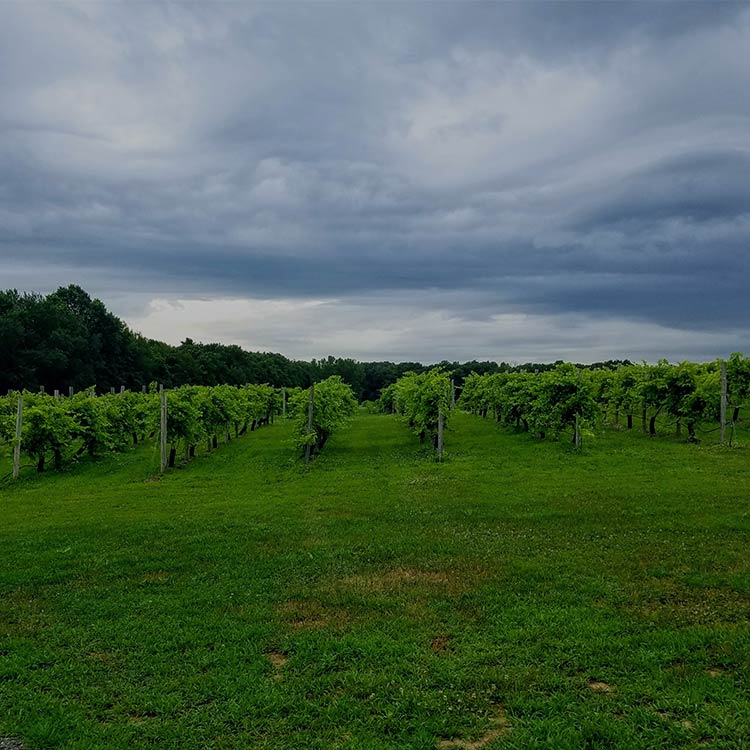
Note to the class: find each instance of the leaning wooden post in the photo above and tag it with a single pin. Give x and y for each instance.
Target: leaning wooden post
(441, 420)
(723, 408)
(310, 406)
(17, 444)
(163, 425)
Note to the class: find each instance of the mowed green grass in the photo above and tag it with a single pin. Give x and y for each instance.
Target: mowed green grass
(518, 595)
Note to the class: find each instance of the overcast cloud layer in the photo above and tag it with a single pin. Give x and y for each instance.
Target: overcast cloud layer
(387, 181)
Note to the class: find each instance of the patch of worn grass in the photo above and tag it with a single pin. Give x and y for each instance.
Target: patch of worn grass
(519, 595)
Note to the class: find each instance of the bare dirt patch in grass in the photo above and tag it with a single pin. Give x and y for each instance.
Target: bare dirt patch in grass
(278, 662)
(441, 644)
(143, 718)
(105, 657)
(499, 726)
(277, 659)
(598, 686)
(313, 614)
(406, 579)
(156, 576)
(714, 672)
(667, 715)
(670, 601)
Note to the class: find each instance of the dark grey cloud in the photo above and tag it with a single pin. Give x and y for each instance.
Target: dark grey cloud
(499, 164)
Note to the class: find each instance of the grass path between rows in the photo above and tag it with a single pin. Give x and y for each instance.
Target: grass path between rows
(518, 595)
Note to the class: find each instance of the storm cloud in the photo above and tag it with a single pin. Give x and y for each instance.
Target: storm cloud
(402, 181)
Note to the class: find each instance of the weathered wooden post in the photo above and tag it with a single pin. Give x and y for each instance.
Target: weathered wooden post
(122, 389)
(57, 393)
(441, 420)
(17, 444)
(41, 389)
(310, 406)
(723, 408)
(112, 390)
(453, 394)
(163, 426)
(143, 389)
(70, 391)
(283, 402)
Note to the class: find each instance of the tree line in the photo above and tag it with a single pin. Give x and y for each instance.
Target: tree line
(67, 339)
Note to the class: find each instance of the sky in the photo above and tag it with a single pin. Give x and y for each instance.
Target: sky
(401, 181)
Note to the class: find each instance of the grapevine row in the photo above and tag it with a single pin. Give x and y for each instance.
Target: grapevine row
(321, 411)
(424, 400)
(66, 428)
(570, 398)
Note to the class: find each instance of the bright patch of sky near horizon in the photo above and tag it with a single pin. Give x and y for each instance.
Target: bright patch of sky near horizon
(526, 181)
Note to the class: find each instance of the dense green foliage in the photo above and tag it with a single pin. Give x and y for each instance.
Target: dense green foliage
(422, 398)
(519, 595)
(68, 339)
(553, 401)
(333, 405)
(66, 428)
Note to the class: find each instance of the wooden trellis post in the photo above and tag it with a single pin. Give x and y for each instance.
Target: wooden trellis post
(723, 409)
(310, 406)
(17, 444)
(441, 421)
(163, 425)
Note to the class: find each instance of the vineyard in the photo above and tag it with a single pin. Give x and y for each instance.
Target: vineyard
(574, 400)
(39, 426)
(566, 399)
(548, 559)
(519, 594)
(569, 398)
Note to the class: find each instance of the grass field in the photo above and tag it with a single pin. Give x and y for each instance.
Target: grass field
(518, 595)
